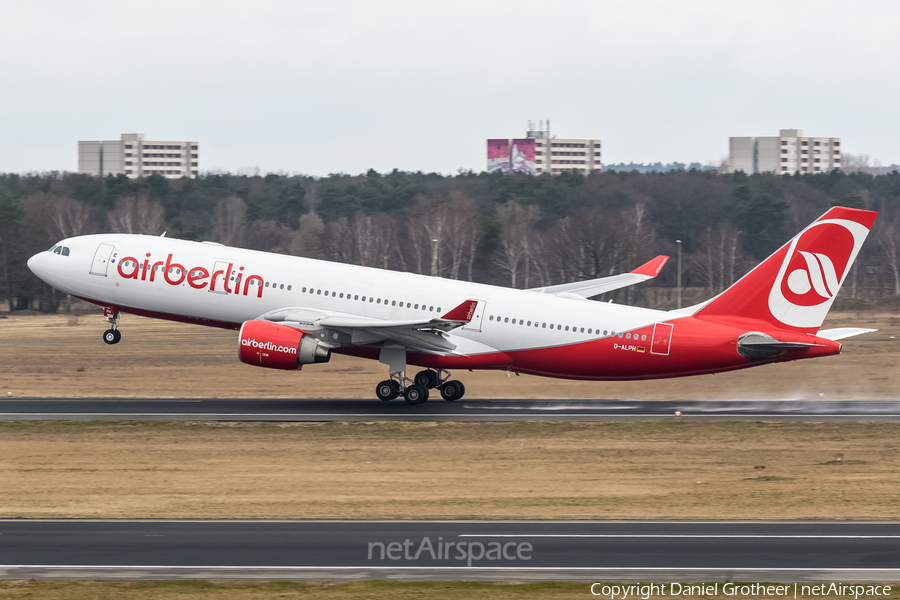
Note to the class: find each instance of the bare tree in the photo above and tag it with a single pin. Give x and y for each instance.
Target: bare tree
(888, 238)
(854, 163)
(542, 259)
(308, 238)
(68, 217)
(338, 242)
(462, 228)
(591, 244)
(516, 223)
(385, 237)
(269, 236)
(428, 224)
(474, 241)
(229, 221)
(61, 216)
(374, 236)
(720, 257)
(137, 214)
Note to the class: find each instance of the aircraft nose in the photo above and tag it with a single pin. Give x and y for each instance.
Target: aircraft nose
(34, 264)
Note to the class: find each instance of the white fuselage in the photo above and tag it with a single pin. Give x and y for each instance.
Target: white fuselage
(507, 319)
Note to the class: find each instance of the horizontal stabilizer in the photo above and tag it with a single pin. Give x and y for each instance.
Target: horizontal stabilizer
(595, 287)
(842, 332)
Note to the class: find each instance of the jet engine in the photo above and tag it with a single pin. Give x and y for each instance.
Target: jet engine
(274, 346)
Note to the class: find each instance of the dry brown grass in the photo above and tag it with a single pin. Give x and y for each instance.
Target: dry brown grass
(202, 590)
(392, 470)
(374, 590)
(60, 356)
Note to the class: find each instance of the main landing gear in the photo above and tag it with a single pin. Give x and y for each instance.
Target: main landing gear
(112, 335)
(415, 391)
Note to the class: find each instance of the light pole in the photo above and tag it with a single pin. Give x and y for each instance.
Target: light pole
(679, 272)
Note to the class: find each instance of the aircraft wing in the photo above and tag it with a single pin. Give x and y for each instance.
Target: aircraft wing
(343, 329)
(595, 287)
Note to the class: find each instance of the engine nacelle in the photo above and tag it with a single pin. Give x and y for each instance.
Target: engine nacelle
(274, 346)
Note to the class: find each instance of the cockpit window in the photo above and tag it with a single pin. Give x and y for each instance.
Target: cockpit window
(65, 251)
(57, 250)
(61, 250)
(52, 249)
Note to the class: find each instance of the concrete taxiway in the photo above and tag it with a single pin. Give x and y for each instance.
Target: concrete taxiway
(474, 550)
(436, 409)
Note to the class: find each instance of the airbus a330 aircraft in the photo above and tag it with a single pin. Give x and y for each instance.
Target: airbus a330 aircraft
(294, 311)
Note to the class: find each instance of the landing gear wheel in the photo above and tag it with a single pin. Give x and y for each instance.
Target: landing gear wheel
(387, 390)
(112, 336)
(428, 379)
(415, 394)
(453, 390)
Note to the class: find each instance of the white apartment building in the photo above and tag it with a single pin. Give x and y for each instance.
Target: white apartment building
(788, 153)
(134, 157)
(554, 155)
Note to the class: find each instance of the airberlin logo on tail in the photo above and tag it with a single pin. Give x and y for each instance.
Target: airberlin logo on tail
(816, 263)
(819, 276)
(227, 280)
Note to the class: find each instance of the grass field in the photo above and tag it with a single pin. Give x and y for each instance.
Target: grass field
(201, 590)
(64, 356)
(374, 590)
(395, 470)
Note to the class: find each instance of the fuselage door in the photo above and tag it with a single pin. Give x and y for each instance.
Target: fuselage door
(222, 273)
(475, 323)
(662, 338)
(101, 259)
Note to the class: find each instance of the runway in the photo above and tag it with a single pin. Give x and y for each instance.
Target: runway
(582, 551)
(211, 409)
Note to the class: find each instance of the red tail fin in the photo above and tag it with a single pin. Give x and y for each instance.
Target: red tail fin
(795, 287)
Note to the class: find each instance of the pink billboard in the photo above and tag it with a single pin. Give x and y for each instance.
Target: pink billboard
(511, 156)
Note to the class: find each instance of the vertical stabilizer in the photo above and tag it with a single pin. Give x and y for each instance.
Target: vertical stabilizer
(795, 287)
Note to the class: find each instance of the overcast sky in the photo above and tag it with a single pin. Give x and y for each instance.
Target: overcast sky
(344, 86)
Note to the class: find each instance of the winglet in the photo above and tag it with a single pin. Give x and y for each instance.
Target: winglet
(651, 268)
(463, 312)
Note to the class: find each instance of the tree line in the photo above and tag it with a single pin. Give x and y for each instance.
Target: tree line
(506, 229)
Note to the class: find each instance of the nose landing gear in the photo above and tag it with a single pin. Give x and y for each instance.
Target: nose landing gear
(112, 335)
